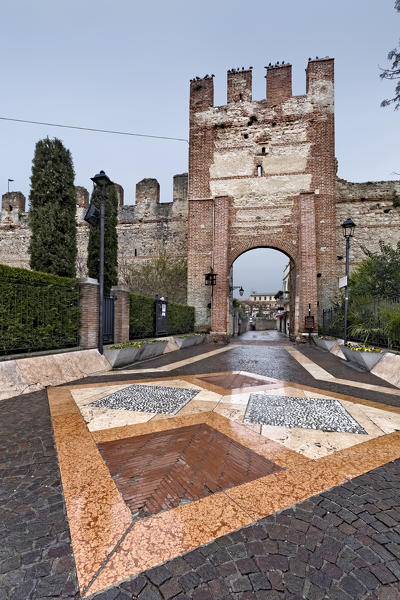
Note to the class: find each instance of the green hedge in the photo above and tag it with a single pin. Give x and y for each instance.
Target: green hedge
(38, 311)
(180, 318)
(141, 317)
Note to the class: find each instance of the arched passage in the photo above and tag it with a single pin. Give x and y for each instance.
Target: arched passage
(265, 277)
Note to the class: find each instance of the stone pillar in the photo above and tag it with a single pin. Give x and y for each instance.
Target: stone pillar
(89, 304)
(307, 271)
(221, 246)
(121, 314)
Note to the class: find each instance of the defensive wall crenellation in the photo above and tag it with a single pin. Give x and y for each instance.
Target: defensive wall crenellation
(278, 83)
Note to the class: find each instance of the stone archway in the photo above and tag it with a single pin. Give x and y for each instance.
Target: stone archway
(262, 262)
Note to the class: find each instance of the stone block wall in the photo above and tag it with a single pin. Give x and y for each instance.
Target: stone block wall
(144, 229)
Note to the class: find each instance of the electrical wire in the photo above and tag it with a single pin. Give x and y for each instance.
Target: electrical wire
(158, 137)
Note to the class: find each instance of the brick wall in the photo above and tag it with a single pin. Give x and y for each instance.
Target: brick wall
(89, 305)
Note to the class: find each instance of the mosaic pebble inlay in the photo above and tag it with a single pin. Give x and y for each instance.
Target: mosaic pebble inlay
(147, 398)
(306, 413)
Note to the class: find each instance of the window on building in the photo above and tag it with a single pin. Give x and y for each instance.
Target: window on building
(259, 170)
(135, 252)
(263, 149)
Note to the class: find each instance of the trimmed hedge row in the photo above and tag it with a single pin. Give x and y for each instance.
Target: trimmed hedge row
(180, 317)
(141, 316)
(38, 311)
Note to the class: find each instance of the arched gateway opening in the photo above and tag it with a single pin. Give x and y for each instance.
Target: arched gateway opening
(261, 280)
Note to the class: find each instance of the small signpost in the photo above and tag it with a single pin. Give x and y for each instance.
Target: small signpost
(343, 282)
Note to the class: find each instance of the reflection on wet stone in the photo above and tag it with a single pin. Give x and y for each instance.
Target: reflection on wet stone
(308, 413)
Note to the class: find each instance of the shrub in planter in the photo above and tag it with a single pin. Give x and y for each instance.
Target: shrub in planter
(153, 348)
(363, 356)
(191, 339)
(326, 342)
(119, 355)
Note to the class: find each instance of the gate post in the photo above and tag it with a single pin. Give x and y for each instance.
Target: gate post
(307, 271)
(89, 305)
(121, 314)
(219, 322)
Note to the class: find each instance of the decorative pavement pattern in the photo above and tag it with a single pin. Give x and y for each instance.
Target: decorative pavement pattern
(268, 512)
(311, 413)
(159, 471)
(144, 398)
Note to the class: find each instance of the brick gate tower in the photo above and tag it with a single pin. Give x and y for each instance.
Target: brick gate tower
(262, 174)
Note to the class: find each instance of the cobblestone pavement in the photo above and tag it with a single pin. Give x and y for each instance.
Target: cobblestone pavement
(35, 553)
(341, 544)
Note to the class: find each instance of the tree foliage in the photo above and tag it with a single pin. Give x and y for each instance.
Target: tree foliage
(110, 240)
(162, 275)
(378, 275)
(52, 220)
(393, 72)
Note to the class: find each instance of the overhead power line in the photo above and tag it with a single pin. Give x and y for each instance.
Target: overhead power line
(158, 137)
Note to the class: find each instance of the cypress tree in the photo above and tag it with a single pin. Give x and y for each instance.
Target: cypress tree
(110, 240)
(52, 220)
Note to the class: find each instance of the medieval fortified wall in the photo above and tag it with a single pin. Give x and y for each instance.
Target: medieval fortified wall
(261, 173)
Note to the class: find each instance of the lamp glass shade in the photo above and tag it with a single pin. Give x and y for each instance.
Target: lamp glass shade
(101, 179)
(348, 228)
(241, 291)
(92, 215)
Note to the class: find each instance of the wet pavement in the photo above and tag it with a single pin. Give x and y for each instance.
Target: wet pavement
(297, 513)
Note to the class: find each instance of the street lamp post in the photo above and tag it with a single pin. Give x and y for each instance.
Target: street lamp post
(348, 231)
(94, 216)
(237, 287)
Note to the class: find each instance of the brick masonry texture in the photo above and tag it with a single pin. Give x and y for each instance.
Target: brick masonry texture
(251, 166)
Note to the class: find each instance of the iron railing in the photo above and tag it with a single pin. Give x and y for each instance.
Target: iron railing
(37, 316)
(368, 322)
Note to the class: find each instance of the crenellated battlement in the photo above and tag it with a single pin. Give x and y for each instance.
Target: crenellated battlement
(278, 79)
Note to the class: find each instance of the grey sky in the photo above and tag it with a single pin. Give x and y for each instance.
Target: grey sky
(126, 65)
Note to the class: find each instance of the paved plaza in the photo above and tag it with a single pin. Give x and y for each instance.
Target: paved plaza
(255, 470)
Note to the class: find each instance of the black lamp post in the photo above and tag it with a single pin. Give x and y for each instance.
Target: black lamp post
(348, 232)
(237, 287)
(94, 216)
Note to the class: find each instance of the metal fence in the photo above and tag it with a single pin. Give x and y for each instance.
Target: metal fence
(375, 322)
(37, 316)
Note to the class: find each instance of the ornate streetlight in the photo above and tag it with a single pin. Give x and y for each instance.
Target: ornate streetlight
(94, 216)
(348, 232)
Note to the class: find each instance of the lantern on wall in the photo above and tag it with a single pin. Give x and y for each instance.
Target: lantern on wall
(210, 278)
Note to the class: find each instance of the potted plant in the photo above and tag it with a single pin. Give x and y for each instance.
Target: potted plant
(119, 355)
(326, 342)
(153, 348)
(188, 339)
(362, 355)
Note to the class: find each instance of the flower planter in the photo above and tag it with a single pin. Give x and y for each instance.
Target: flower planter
(324, 344)
(190, 340)
(153, 349)
(366, 360)
(119, 357)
